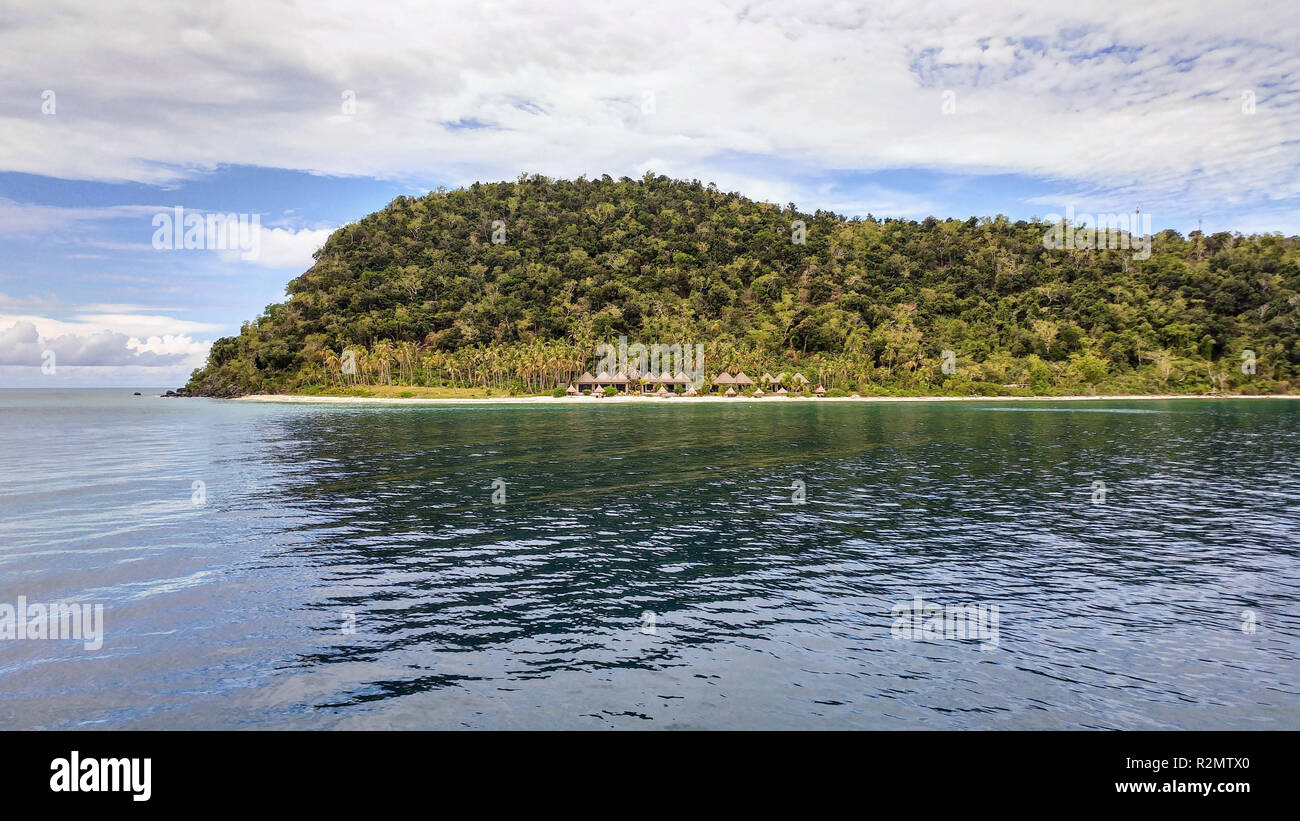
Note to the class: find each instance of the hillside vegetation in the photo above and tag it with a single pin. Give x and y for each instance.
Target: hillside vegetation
(423, 296)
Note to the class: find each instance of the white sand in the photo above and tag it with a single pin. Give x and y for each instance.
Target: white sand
(683, 400)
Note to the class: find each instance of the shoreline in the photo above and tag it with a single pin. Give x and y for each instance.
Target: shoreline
(681, 400)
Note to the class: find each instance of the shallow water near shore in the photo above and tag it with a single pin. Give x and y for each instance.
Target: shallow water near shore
(651, 565)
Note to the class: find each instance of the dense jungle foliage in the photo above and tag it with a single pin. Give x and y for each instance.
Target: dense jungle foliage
(421, 294)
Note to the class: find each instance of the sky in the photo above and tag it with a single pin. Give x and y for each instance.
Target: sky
(300, 117)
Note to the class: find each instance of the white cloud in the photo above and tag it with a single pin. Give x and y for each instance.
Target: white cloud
(101, 340)
(28, 218)
(21, 345)
(283, 248)
(30, 303)
(172, 345)
(138, 325)
(1130, 102)
(274, 247)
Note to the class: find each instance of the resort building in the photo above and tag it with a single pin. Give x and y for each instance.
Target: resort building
(668, 384)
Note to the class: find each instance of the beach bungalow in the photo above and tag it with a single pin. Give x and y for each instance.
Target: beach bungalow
(742, 381)
(618, 381)
(799, 381)
(820, 390)
(723, 380)
(586, 381)
(682, 379)
(766, 378)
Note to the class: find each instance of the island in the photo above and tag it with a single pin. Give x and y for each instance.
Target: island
(669, 289)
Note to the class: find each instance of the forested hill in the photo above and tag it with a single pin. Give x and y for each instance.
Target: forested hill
(514, 284)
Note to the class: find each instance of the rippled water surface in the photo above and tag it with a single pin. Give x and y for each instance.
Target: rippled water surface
(1130, 611)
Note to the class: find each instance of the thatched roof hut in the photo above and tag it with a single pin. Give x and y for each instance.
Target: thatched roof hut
(780, 377)
(781, 392)
(820, 390)
(662, 391)
(730, 392)
(742, 379)
(586, 379)
(649, 378)
(620, 378)
(681, 378)
(690, 391)
(724, 378)
(571, 390)
(799, 379)
(766, 378)
(759, 393)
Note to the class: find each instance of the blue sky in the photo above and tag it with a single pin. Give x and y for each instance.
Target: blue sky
(111, 117)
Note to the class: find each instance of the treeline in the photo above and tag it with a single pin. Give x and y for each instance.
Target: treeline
(514, 285)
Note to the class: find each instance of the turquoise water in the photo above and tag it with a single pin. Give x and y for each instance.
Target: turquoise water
(347, 567)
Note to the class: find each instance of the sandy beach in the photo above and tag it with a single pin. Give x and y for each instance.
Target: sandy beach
(681, 400)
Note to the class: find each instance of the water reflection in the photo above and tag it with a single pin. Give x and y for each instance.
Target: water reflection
(350, 568)
(688, 513)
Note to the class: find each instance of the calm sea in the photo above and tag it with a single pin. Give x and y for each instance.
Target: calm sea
(659, 566)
